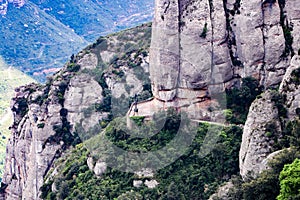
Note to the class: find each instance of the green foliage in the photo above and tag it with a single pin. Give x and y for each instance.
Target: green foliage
(295, 76)
(267, 185)
(41, 125)
(291, 134)
(189, 177)
(240, 99)
(101, 44)
(61, 92)
(73, 67)
(279, 102)
(290, 181)
(138, 120)
(287, 31)
(204, 31)
(264, 187)
(22, 107)
(119, 73)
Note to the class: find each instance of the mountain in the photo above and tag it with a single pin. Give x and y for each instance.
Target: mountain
(202, 104)
(10, 79)
(38, 37)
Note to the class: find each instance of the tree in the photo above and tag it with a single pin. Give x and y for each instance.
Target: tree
(290, 181)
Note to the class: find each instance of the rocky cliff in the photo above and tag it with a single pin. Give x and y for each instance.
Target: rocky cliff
(203, 47)
(266, 121)
(50, 118)
(198, 48)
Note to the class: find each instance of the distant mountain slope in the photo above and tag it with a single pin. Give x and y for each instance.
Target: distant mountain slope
(33, 41)
(89, 18)
(9, 79)
(40, 36)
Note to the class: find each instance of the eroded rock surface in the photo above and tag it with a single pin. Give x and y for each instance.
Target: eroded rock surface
(257, 141)
(200, 47)
(50, 118)
(264, 123)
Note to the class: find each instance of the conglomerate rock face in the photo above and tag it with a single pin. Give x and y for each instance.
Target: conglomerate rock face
(213, 42)
(256, 142)
(264, 124)
(201, 46)
(290, 88)
(50, 118)
(197, 47)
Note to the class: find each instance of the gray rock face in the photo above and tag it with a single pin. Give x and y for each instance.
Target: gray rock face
(199, 44)
(222, 192)
(82, 93)
(100, 168)
(293, 14)
(137, 183)
(256, 141)
(290, 87)
(151, 184)
(28, 152)
(195, 44)
(67, 103)
(256, 148)
(181, 60)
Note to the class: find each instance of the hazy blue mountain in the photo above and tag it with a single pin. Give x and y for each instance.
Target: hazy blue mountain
(41, 35)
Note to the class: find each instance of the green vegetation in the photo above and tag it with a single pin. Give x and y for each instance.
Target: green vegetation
(240, 99)
(290, 181)
(138, 120)
(287, 31)
(189, 177)
(295, 76)
(267, 185)
(72, 67)
(41, 125)
(275, 181)
(204, 31)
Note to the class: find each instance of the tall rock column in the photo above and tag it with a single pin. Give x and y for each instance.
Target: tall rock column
(164, 57)
(188, 50)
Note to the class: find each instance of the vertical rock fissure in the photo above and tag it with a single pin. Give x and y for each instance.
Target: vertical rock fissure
(228, 32)
(262, 71)
(179, 50)
(286, 28)
(211, 10)
(231, 38)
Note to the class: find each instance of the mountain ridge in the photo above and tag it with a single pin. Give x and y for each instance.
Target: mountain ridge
(40, 29)
(203, 63)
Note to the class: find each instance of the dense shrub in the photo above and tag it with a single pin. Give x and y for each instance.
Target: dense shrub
(189, 177)
(290, 181)
(240, 99)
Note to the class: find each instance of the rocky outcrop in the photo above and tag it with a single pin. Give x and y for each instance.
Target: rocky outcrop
(68, 109)
(222, 192)
(264, 124)
(257, 142)
(198, 48)
(290, 88)
(28, 154)
(202, 47)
